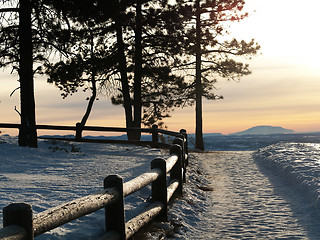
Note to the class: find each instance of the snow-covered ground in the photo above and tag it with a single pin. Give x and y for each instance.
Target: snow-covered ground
(249, 201)
(228, 195)
(58, 172)
(297, 163)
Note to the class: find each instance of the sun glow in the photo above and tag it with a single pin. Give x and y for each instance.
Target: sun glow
(283, 89)
(283, 28)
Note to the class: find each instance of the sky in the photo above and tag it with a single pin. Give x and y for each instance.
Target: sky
(283, 89)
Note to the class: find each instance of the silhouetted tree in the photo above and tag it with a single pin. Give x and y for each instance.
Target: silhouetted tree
(199, 144)
(153, 40)
(138, 69)
(106, 20)
(206, 28)
(142, 37)
(158, 46)
(96, 51)
(123, 68)
(90, 67)
(26, 30)
(17, 49)
(27, 131)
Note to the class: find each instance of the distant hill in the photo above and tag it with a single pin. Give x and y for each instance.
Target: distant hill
(264, 130)
(212, 134)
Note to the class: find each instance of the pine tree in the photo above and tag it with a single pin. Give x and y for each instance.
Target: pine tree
(155, 52)
(19, 54)
(143, 35)
(26, 32)
(90, 67)
(153, 45)
(213, 54)
(27, 131)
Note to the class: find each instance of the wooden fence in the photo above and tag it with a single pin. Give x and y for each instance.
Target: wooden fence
(166, 178)
(155, 131)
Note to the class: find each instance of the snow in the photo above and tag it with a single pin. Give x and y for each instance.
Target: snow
(298, 163)
(58, 172)
(243, 200)
(268, 194)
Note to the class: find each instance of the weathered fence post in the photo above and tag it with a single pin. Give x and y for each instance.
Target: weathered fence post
(180, 142)
(114, 213)
(19, 214)
(176, 171)
(78, 131)
(184, 133)
(184, 136)
(155, 135)
(159, 188)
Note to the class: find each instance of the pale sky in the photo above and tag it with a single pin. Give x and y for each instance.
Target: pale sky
(282, 91)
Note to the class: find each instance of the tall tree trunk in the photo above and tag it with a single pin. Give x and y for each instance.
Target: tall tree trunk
(123, 72)
(91, 101)
(93, 85)
(27, 131)
(89, 108)
(138, 69)
(199, 134)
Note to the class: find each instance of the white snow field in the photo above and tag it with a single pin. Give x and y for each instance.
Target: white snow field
(228, 195)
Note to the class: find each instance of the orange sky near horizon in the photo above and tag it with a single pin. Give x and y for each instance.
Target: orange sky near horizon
(283, 89)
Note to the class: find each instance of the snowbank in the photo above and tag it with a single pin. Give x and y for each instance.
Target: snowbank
(298, 163)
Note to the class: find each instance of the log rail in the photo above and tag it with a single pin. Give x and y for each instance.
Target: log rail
(154, 131)
(166, 178)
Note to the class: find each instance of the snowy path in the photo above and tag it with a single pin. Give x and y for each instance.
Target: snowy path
(248, 202)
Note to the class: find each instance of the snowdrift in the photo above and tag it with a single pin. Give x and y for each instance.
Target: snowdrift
(298, 163)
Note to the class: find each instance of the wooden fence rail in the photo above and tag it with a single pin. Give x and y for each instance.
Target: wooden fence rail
(19, 222)
(78, 133)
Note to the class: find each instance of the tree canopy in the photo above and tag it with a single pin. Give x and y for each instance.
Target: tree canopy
(151, 56)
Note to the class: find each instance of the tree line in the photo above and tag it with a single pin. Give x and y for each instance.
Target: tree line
(150, 56)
